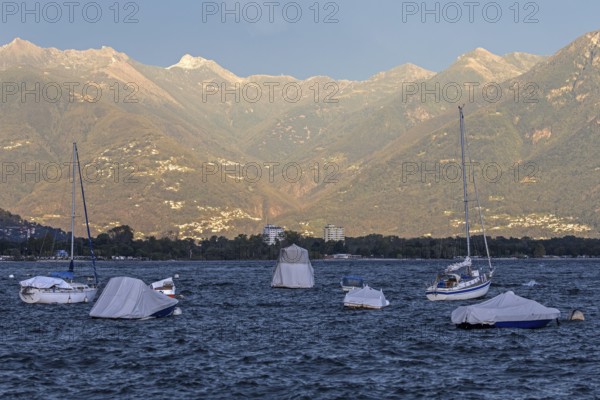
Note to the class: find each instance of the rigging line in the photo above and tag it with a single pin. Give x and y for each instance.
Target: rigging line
(487, 251)
(87, 224)
(57, 230)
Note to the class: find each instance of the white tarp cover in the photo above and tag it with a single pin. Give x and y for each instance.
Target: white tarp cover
(158, 284)
(45, 282)
(456, 266)
(502, 308)
(129, 298)
(366, 297)
(293, 269)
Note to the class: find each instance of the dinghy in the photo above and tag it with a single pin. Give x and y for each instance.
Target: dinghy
(366, 297)
(165, 286)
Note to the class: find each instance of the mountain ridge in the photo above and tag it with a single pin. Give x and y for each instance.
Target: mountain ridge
(192, 155)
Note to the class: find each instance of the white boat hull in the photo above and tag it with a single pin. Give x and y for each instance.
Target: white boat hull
(435, 293)
(368, 306)
(48, 296)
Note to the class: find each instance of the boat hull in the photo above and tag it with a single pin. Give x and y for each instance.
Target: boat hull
(437, 294)
(536, 324)
(164, 312)
(43, 296)
(169, 293)
(370, 307)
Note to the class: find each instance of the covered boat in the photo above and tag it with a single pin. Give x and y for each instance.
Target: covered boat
(350, 282)
(506, 310)
(366, 297)
(130, 298)
(293, 269)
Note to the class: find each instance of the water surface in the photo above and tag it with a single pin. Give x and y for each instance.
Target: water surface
(238, 338)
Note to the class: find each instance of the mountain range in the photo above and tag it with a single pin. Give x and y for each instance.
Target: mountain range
(193, 150)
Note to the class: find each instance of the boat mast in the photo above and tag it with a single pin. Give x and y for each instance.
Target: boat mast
(464, 172)
(73, 209)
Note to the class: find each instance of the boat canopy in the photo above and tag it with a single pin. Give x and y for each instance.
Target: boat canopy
(293, 269)
(63, 275)
(45, 282)
(456, 266)
(506, 307)
(162, 283)
(352, 280)
(129, 298)
(366, 297)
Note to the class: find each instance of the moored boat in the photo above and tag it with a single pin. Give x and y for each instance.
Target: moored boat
(130, 298)
(461, 281)
(60, 287)
(164, 286)
(506, 310)
(366, 297)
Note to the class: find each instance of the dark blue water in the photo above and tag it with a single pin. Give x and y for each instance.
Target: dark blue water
(238, 338)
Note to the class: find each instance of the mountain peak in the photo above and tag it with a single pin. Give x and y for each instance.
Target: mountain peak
(190, 62)
(479, 54)
(21, 46)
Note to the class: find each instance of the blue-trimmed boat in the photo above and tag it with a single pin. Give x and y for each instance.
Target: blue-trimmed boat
(461, 281)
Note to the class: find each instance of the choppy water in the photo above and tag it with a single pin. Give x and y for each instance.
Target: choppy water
(238, 338)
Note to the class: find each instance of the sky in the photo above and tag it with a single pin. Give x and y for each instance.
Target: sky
(343, 39)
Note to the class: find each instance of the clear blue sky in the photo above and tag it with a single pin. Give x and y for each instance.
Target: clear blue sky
(368, 37)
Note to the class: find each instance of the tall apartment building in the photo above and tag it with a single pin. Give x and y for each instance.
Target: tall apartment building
(271, 233)
(332, 232)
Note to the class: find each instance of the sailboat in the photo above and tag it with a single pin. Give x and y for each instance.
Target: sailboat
(461, 281)
(59, 287)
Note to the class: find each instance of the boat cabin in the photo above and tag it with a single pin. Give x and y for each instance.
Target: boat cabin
(449, 281)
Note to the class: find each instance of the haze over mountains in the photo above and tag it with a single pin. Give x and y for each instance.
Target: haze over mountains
(194, 150)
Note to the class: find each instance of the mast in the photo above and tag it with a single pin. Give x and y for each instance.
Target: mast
(71, 263)
(464, 172)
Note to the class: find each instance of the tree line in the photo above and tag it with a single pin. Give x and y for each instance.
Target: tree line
(120, 241)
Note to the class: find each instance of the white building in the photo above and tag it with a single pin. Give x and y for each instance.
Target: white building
(332, 232)
(271, 233)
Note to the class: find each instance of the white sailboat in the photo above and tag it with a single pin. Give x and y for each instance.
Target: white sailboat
(59, 288)
(461, 281)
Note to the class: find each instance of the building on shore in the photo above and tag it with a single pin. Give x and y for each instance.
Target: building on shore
(332, 232)
(272, 233)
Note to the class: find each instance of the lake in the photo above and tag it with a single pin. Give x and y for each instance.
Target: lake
(238, 338)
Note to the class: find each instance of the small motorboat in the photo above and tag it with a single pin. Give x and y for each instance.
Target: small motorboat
(506, 310)
(365, 297)
(350, 282)
(165, 286)
(130, 298)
